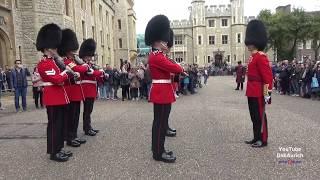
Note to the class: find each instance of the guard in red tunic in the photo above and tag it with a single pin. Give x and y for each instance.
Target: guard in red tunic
(54, 95)
(161, 91)
(240, 75)
(89, 84)
(259, 85)
(67, 49)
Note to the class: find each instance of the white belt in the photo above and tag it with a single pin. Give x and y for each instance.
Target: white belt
(161, 81)
(47, 84)
(89, 82)
(78, 82)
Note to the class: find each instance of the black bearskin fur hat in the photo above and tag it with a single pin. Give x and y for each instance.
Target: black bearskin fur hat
(256, 35)
(170, 43)
(49, 37)
(88, 48)
(69, 42)
(158, 29)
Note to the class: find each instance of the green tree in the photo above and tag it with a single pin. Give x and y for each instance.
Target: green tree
(315, 35)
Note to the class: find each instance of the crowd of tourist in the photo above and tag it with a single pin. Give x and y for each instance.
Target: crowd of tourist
(297, 78)
(135, 82)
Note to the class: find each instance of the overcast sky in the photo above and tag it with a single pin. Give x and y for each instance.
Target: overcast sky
(178, 9)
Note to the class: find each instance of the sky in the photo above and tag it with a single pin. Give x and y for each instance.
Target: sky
(178, 9)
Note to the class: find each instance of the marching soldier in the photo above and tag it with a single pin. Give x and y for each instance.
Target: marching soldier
(89, 84)
(67, 49)
(259, 85)
(54, 95)
(161, 93)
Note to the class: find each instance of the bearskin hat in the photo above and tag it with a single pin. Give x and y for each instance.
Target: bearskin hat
(49, 37)
(88, 48)
(69, 42)
(256, 35)
(158, 29)
(170, 43)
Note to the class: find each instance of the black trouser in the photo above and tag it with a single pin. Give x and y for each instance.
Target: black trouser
(159, 127)
(55, 140)
(125, 92)
(87, 110)
(73, 115)
(134, 92)
(284, 83)
(240, 84)
(258, 118)
(37, 94)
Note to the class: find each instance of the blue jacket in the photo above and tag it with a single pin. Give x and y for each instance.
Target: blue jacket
(25, 73)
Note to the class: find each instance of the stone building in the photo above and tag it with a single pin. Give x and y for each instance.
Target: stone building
(20, 21)
(212, 34)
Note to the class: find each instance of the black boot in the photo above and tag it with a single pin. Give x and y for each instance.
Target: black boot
(59, 157)
(73, 143)
(170, 133)
(90, 133)
(259, 144)
(67, 153)
(165, 157)
(250, 142)
(80, 140)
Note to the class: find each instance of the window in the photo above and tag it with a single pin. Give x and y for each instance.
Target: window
(224, 39)
(211, 40)
(108, 40)
(112, 21)
(120, 43)
(92, 7)
(100, 11)
(228, 59)
(239, 38)
(234, 19)
(119, 24)
(83, 4)
(199, 40)
(83, 30)
(211, 23)
(235, 58)
(107, 19)
(16, 3)
(209, 59)
(179, 59)
(178, 39)
(117, 1)
(196, 59)
(102, 38)
(93, 33)
(224, 22)
(66, 7)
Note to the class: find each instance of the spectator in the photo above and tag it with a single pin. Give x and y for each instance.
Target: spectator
(37, 88)
(284, 79)
(316, 78)
(20, 84)
(134, 84)
(8, 73)
(205, 75)
(295, 72)
(2, 80)
(124, 81)
(102, 88)
(306, 81)
(1, 86)
(116, 83)
(147, 81)
(240, 73)
(108, 83)
(140, 74)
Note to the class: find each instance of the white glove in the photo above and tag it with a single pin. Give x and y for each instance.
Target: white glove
(90, 71)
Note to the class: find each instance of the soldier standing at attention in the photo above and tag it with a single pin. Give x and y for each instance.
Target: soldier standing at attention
(260, 80)
(157, 35)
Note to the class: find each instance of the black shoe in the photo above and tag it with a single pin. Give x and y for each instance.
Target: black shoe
(259, 144)
(80, 140)
(164, 157)
(73, 143)
(173, 130)
(237, 89)
(90, 133)
(250, 142)
(170, 133)
(59, 157)
(67, 153)
(95, 130)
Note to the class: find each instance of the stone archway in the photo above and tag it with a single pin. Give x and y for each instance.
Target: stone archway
(5, 50)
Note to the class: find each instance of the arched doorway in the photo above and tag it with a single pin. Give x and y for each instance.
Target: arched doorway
(218, 60)
(5, 49)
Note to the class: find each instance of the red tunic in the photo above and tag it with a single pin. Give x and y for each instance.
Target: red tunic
(259, 74)
(75, 91)
(89, 83)
(160, 69)
(240, 71)
(53, 92)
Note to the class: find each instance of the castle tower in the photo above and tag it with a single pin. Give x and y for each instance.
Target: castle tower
(199, 30)
(237, 32)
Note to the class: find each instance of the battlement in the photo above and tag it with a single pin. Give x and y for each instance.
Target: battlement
(218, 10)
(180, 23)
(247, 19)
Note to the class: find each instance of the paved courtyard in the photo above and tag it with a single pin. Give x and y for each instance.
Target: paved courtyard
(211, 127)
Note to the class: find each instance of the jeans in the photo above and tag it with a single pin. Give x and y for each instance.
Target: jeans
(20, 91)
(295, 86)
(102, 92)
(109, 90)
(115, 91)
(205, 79)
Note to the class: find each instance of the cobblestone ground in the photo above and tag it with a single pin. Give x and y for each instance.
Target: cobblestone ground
(211, 127)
